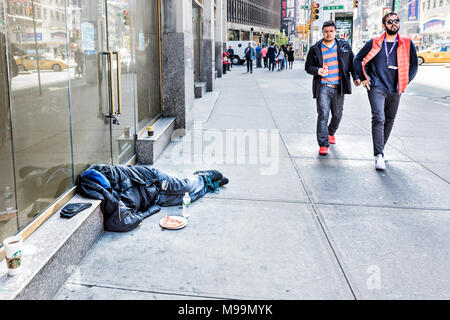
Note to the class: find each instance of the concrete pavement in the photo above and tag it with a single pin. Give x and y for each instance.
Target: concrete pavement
(291, 224)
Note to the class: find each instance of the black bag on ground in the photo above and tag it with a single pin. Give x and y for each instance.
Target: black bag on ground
(72, 209)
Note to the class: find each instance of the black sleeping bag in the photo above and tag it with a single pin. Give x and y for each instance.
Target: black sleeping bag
(129, 194)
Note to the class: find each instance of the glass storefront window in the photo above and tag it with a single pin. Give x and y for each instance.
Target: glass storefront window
(8, 213)
(40, 105)
(83, 77)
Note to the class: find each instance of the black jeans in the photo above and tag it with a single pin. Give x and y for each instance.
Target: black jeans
(258, 61)
(271, 64)
(249, 65)
(328, 100)
(225, 67)
(266, 62)
(384, 107)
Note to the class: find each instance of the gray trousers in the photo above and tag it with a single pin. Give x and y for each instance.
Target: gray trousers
(328, 99)
(384, 110)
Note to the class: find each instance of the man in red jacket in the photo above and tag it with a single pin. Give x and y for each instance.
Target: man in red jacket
(385, 66)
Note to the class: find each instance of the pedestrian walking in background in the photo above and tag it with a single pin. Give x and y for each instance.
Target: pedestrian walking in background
(330, 61)
(290, 57)
(280, 57)
(264, 56)
(225, 62)
(230, 52)
(258, 56)
(385, 66)
(272, 54)
(249, 57)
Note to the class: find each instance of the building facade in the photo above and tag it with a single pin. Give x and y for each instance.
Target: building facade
(256, 20)
(426, 22)
(80, 80)
(434, 22)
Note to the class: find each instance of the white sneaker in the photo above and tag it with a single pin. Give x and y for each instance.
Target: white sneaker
(379, 162)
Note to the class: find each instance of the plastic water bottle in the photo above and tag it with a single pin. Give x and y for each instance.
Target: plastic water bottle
(9, 199)
(186, 205)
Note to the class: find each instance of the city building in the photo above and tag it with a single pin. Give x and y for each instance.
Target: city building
(256, 20)
(426, 22)
(81, 80)
(434, 22)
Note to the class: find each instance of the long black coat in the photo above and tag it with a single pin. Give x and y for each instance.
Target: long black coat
(314, 62)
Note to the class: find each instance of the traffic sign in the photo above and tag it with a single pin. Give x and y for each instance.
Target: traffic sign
(333, 7)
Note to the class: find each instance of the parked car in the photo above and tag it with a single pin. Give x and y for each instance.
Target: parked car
(28, 62)
(435, 54)
(239, 47)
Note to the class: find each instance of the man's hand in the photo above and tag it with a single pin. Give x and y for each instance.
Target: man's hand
(322, 72)
(366, 84)
(357, 82)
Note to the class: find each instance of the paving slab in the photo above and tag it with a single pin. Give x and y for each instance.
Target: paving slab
(234, 142)
(238, 110)
(403, 184)
(303, 123)
(440, 169)
(241, 122)
(424, 149)
(277, 181)
(72, 291)
(390, 253)
(230, 249)
(357, 147)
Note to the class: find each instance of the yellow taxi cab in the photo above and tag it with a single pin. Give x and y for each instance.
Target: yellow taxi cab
(435, 54)
(28, 62)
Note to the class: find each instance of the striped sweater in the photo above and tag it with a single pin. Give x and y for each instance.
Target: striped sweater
(330, 60)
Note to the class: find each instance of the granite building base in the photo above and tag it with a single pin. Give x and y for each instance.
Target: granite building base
(174, 85)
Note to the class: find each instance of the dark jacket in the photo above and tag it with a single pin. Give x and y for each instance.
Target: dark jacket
(272, 52)
(314, 62)
(130, 194)
(132, 197)
(251, 55)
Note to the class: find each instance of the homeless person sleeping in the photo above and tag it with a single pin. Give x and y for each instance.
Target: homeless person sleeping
(130, 194)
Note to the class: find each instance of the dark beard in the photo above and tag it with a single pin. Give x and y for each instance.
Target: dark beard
(392, 33)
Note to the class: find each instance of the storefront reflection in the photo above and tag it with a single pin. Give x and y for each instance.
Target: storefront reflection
(58, 94)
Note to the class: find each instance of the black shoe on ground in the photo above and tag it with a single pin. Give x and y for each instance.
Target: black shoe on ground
(223, 182)
(213, 174)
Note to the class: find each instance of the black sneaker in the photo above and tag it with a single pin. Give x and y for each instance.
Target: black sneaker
(213, 174)
(223, 181)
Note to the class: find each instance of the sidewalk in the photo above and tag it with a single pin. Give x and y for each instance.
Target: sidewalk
(291, 224)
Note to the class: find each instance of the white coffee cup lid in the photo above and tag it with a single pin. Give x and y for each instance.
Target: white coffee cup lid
(13, 239)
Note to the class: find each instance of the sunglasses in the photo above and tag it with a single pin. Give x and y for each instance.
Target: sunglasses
(392, 21)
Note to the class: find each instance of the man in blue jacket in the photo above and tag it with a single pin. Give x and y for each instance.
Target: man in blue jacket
(258, 56)
(249, 56)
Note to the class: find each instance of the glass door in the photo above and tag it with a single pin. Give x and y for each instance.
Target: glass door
(122, 78)
(90, 106)
(102, 89)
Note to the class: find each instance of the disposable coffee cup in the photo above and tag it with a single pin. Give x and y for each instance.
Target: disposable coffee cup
(126, 132)
(13, 249)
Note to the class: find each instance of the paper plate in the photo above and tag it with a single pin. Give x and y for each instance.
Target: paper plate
(181, 219)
